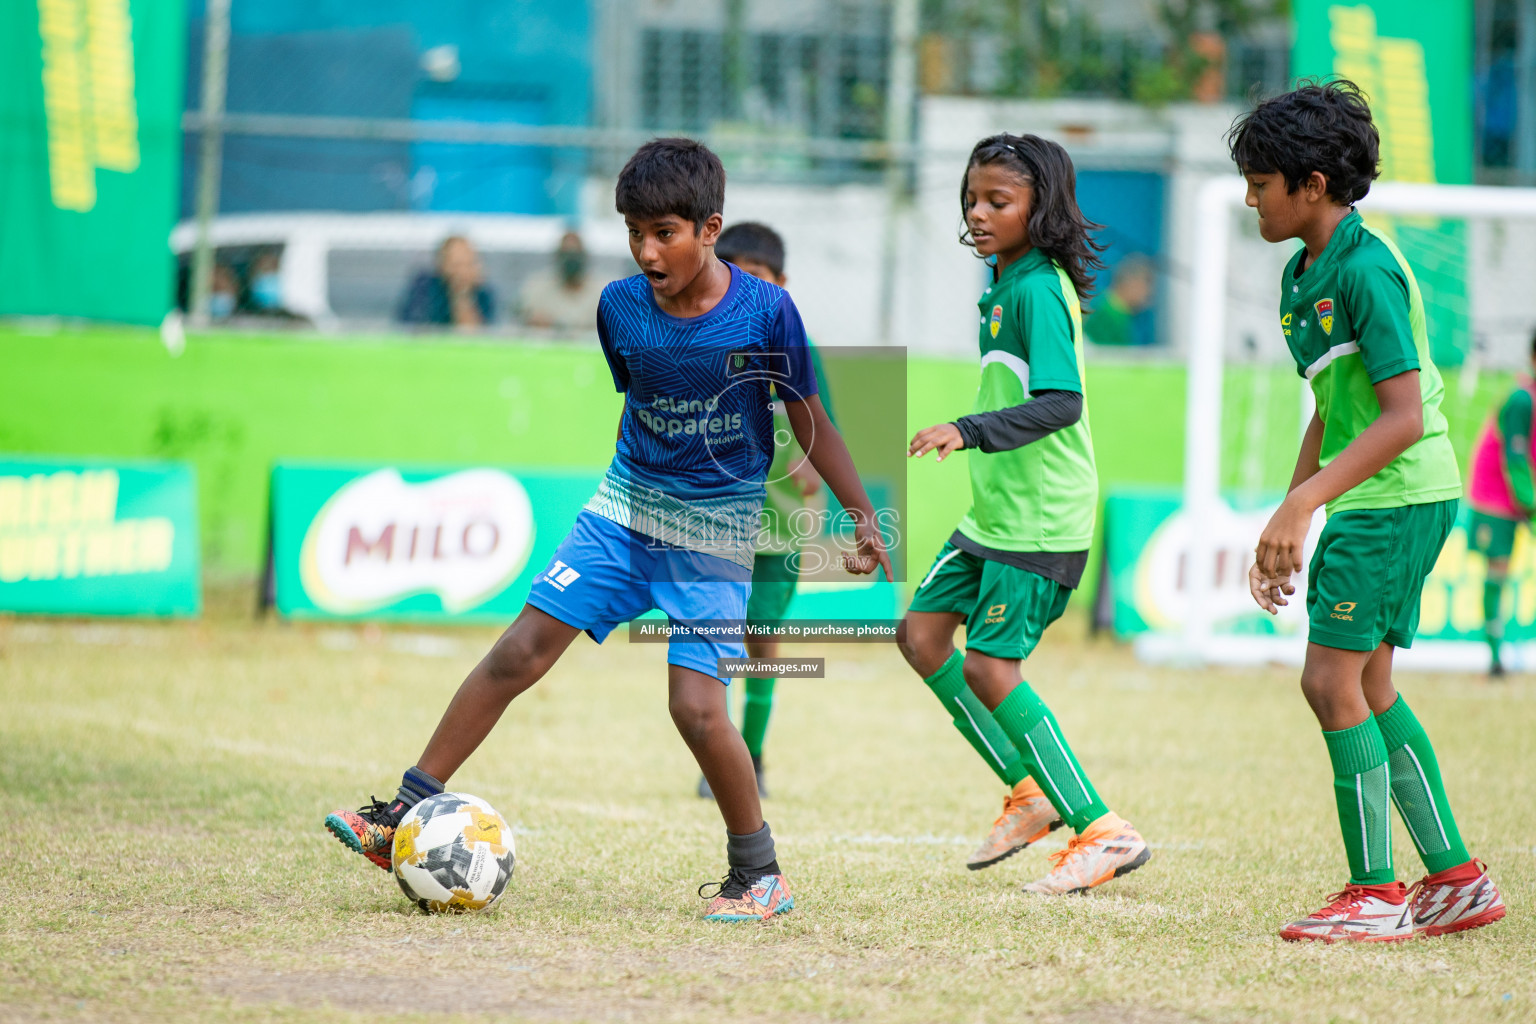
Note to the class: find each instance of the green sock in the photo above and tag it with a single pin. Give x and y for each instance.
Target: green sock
(1033, 730)
(1493, 614)
(1361, 791)
(1418, 791)
(755, 713)
(975, 722)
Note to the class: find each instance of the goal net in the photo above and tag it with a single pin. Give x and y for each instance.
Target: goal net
(1473, 252)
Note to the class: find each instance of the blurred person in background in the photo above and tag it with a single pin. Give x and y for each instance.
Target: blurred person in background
(563, 297)
(264, 283)
(264, 289)
(456, 293)
(759, 250)
(224, 293)
(1502, 495)
(1132, 288)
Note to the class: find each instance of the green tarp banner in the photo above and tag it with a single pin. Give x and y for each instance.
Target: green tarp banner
(1413, 59)
(90, 144)
(98, 538)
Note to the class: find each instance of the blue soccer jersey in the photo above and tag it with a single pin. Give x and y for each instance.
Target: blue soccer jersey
(696, 437)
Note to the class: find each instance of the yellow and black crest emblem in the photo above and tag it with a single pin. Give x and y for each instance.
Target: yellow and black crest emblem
(1324, 309)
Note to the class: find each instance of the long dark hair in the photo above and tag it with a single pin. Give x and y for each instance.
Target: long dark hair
(1056, 226)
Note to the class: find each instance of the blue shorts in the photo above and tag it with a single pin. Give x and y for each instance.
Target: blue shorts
(604, 574)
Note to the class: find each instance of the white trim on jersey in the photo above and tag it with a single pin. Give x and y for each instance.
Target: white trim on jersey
(1323, 361)
(1019, 367)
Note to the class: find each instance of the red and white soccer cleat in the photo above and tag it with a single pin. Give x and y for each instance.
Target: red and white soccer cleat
(1454, 900)
(1360, 913)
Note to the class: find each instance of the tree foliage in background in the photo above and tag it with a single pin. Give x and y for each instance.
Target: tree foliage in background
(1044, 48)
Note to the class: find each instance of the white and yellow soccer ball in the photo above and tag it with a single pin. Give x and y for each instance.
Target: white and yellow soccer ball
(453, 852)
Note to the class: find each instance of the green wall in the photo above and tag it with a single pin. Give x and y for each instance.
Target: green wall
(234, 404)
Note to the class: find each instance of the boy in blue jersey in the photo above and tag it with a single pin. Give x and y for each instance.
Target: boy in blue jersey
(694, 344)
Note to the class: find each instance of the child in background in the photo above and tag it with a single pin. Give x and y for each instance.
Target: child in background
(1502, 496)
(758, 249)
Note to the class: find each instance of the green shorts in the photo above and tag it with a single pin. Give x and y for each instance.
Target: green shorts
(773, 587)
(1368, 572)
(1006, 608)
(1491, 536)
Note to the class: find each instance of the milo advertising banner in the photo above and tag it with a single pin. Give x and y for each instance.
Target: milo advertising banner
(1146, 560)
(384, 542)
(98, 538)
(1413, 60)
(390, 543)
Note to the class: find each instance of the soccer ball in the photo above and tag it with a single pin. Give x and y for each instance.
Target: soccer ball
(453, 852)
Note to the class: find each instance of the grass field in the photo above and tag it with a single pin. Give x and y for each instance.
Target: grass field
(162, 858)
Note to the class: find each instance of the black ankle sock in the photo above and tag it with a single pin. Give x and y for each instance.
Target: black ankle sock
(415, 786)
(753, 855)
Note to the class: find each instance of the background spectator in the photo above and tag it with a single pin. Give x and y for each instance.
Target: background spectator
(1132, 289)
(224, 293)
(456, 294)
(264, 284)
(564, 296)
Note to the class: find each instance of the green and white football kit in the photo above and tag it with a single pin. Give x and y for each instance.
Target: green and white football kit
(1352, 319)
(1020, 550)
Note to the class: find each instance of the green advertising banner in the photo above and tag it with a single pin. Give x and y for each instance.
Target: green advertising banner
(90, 144)
(1147, 542)
(381, 542)
(1413, 60)
(98, 538)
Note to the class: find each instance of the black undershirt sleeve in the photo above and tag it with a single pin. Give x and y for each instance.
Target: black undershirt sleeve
(1018, 425)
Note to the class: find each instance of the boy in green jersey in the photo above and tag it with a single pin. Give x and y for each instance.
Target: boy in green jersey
(1377, 455)
(758, 250)
(1502, 495)
(1008, 570)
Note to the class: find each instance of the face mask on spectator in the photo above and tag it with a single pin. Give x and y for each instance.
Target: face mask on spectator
(220, 305)
(267, 290)
(572, 265)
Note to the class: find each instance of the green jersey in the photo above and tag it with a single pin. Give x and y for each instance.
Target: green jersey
(1043, 496)
(1352, 319)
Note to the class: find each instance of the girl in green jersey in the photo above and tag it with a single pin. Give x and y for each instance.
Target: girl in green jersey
(1008, 570)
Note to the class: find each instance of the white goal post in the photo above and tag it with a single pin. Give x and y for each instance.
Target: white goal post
(1217, 202)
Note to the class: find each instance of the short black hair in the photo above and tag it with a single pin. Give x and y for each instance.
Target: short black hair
(672, 176)
(750, 240)
(1318, 126)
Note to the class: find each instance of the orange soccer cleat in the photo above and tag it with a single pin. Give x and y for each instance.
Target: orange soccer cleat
(1027, 817)
(1108, 848)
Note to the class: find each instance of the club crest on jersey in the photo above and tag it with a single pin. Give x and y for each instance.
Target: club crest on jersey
(1324, 309)
(996, 322)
